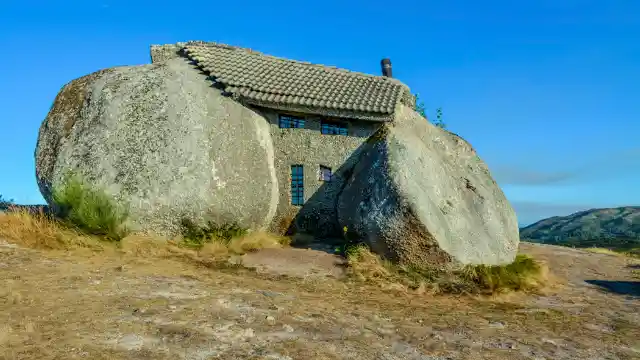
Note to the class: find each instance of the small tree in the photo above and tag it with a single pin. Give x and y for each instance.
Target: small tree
(4, 203)
(439, 122)
(421, 109)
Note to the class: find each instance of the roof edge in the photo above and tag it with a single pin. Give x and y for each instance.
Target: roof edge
(306, 63)
(343, 114)
(162, 52)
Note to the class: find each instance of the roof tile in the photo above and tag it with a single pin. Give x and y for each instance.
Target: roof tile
(277, 82)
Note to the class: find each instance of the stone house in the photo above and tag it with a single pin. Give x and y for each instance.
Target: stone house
(319, 117)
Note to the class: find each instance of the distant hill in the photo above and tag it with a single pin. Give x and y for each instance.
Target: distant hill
(611, 227)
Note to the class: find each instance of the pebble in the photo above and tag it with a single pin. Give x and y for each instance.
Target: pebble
(496, 325)
(270, 319)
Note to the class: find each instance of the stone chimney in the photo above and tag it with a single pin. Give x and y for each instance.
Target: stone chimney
(386, 67)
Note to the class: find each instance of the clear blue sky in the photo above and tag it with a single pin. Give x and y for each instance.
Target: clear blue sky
(547, 91)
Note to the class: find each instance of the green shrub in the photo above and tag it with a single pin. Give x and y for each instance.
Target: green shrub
(196, 236)
(91, 210)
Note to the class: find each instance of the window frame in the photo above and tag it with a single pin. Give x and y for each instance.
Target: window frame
(334, 127)
(291, 121)
(297, 184)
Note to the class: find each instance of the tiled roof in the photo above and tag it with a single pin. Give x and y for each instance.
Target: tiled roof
(298, 86)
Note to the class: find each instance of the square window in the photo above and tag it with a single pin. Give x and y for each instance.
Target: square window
(297, 185)
(325, 173)
(333, 128)
(290, 122)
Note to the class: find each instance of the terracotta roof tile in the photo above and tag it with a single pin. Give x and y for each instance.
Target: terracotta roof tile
(282, 83)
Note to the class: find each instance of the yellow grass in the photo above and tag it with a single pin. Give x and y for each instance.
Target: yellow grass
(602, 251)
(524, 274)
(64, 305)
(635, 253)
(40, 231)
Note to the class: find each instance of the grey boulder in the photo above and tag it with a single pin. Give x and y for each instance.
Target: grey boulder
(164, 144)
(420, 195)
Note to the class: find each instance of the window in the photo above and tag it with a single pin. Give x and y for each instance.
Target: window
(289, 122)
(297, 185)
(325, 173)
(333, 128)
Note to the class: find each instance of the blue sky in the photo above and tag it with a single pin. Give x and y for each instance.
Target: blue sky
(548, 92)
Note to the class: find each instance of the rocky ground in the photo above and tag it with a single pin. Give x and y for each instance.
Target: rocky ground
(86, 305)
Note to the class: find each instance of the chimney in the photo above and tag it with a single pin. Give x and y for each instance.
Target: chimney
(386, 67)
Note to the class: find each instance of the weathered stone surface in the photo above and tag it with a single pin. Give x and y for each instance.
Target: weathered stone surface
(164, 143)
(420, 195)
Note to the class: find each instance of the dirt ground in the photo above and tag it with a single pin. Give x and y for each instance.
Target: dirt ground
(87, 305)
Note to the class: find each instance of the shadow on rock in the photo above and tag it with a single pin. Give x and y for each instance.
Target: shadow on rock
(316, 226)
(629, 288)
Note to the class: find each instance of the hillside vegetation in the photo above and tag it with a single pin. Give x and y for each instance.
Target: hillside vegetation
(617, 229)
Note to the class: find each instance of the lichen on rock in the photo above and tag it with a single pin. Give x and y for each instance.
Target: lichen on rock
(162, 140)
(420, 195)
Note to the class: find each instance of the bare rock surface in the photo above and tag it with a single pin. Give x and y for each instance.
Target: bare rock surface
(163, 143)
(420, 194)
(294, 262)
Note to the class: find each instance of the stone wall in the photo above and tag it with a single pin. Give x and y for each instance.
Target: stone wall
(309, 147)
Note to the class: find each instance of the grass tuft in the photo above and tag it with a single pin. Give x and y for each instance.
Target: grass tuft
(196, 236)
(89, 209)
(42, 231)
(524, 274)
(227, 239)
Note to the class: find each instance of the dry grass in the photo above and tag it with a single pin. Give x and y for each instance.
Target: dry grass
(524, 274)
(40, 231)
(87, 300)
(633, 253)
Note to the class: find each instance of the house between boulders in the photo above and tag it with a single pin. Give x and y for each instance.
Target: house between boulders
(320, 117)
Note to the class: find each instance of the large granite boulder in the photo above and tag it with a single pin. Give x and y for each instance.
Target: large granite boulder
(420, 195)
(164, 144)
